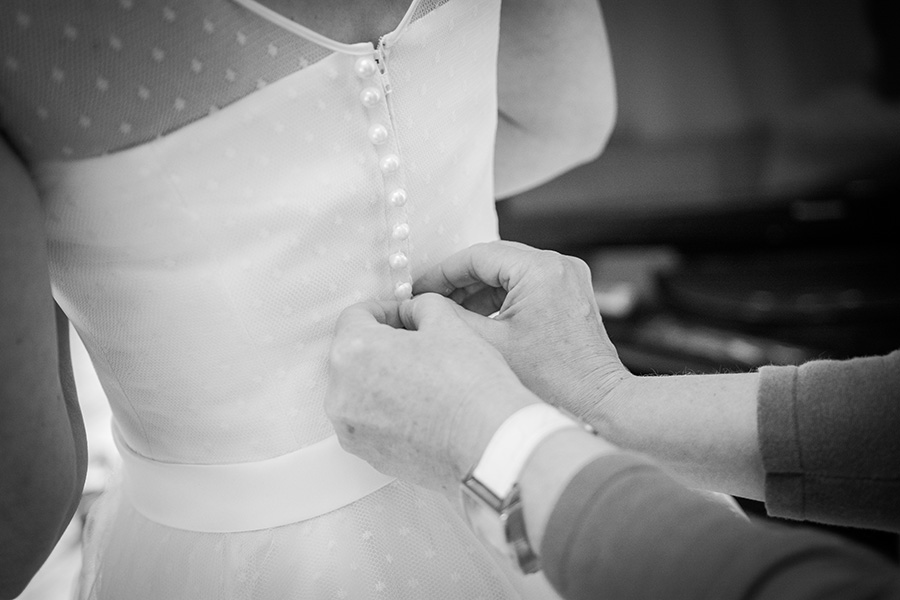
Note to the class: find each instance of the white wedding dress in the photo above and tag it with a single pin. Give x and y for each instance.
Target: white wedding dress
(204, 270)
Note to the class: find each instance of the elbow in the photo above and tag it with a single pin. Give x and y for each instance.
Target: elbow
(605, 124)
(582, 137)
(584, 140)
(596, 104)
(590, 136)
(532, 153)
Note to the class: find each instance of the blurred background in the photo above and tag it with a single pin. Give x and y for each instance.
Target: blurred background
(743, 213)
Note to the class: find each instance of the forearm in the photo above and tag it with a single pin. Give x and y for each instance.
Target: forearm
(556, 91)
(623, 528)
(702, 428)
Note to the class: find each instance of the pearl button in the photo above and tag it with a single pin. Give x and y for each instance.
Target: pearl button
(370, 96)
(401, 231)
(365, 67)
(397, 197)
(390, 163)
(398, 260)
(378, 134)
(403, 291)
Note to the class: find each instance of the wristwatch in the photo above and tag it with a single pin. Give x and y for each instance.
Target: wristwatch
(490, 492)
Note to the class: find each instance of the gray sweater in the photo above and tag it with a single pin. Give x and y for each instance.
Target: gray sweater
(830, 440)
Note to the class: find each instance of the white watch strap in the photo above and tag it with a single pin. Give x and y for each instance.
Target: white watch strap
(512, 444)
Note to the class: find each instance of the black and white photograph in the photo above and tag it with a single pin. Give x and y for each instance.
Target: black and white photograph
(449, 300)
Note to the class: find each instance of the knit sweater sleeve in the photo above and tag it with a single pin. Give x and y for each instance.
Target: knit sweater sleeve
(623, 528)
(829, 436)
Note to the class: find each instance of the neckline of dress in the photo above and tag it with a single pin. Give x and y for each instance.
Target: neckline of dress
(282, 21)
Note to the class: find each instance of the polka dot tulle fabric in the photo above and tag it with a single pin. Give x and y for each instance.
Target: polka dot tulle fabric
(217, 187)
(93, 77)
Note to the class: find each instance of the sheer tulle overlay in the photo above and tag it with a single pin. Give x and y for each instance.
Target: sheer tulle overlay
(204, 270)
(400, 542)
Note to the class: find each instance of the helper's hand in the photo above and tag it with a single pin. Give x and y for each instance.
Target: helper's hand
(415, 392)
(548, 327)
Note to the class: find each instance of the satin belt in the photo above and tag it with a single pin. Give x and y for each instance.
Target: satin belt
(227, 498)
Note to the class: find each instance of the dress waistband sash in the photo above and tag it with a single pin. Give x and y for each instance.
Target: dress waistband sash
(222, 498)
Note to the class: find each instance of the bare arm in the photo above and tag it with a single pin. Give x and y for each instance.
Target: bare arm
(556, 91)
(606, 523)
(701, 427)
(43, 453)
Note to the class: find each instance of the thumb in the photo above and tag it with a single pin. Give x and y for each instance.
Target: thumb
(432, 311)
(368, 314)
(427, 311)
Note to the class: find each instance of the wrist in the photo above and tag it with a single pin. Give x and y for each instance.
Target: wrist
(491, 491)
(601, 400)
(702, 428)
(475, 423)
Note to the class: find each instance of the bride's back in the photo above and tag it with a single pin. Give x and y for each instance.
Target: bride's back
(204, 268)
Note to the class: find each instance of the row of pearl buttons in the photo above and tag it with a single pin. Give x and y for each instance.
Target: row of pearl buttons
(378, 134)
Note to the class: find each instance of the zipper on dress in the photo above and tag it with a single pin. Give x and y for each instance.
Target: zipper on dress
(381, 61)
(381, 54)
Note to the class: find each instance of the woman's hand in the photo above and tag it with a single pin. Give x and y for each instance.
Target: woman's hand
(415, 392)
(548, 327)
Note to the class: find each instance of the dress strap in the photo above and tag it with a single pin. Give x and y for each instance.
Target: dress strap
(359, 48)
(222, 498)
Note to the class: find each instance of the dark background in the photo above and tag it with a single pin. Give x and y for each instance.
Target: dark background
(744, 211)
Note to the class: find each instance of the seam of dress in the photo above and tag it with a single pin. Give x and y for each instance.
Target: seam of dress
(126, 398)
(101, 350)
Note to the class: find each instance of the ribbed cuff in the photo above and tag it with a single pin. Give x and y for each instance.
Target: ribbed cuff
(779, 442)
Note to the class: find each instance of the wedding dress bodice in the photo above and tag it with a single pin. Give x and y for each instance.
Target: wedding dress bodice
(205, 269)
